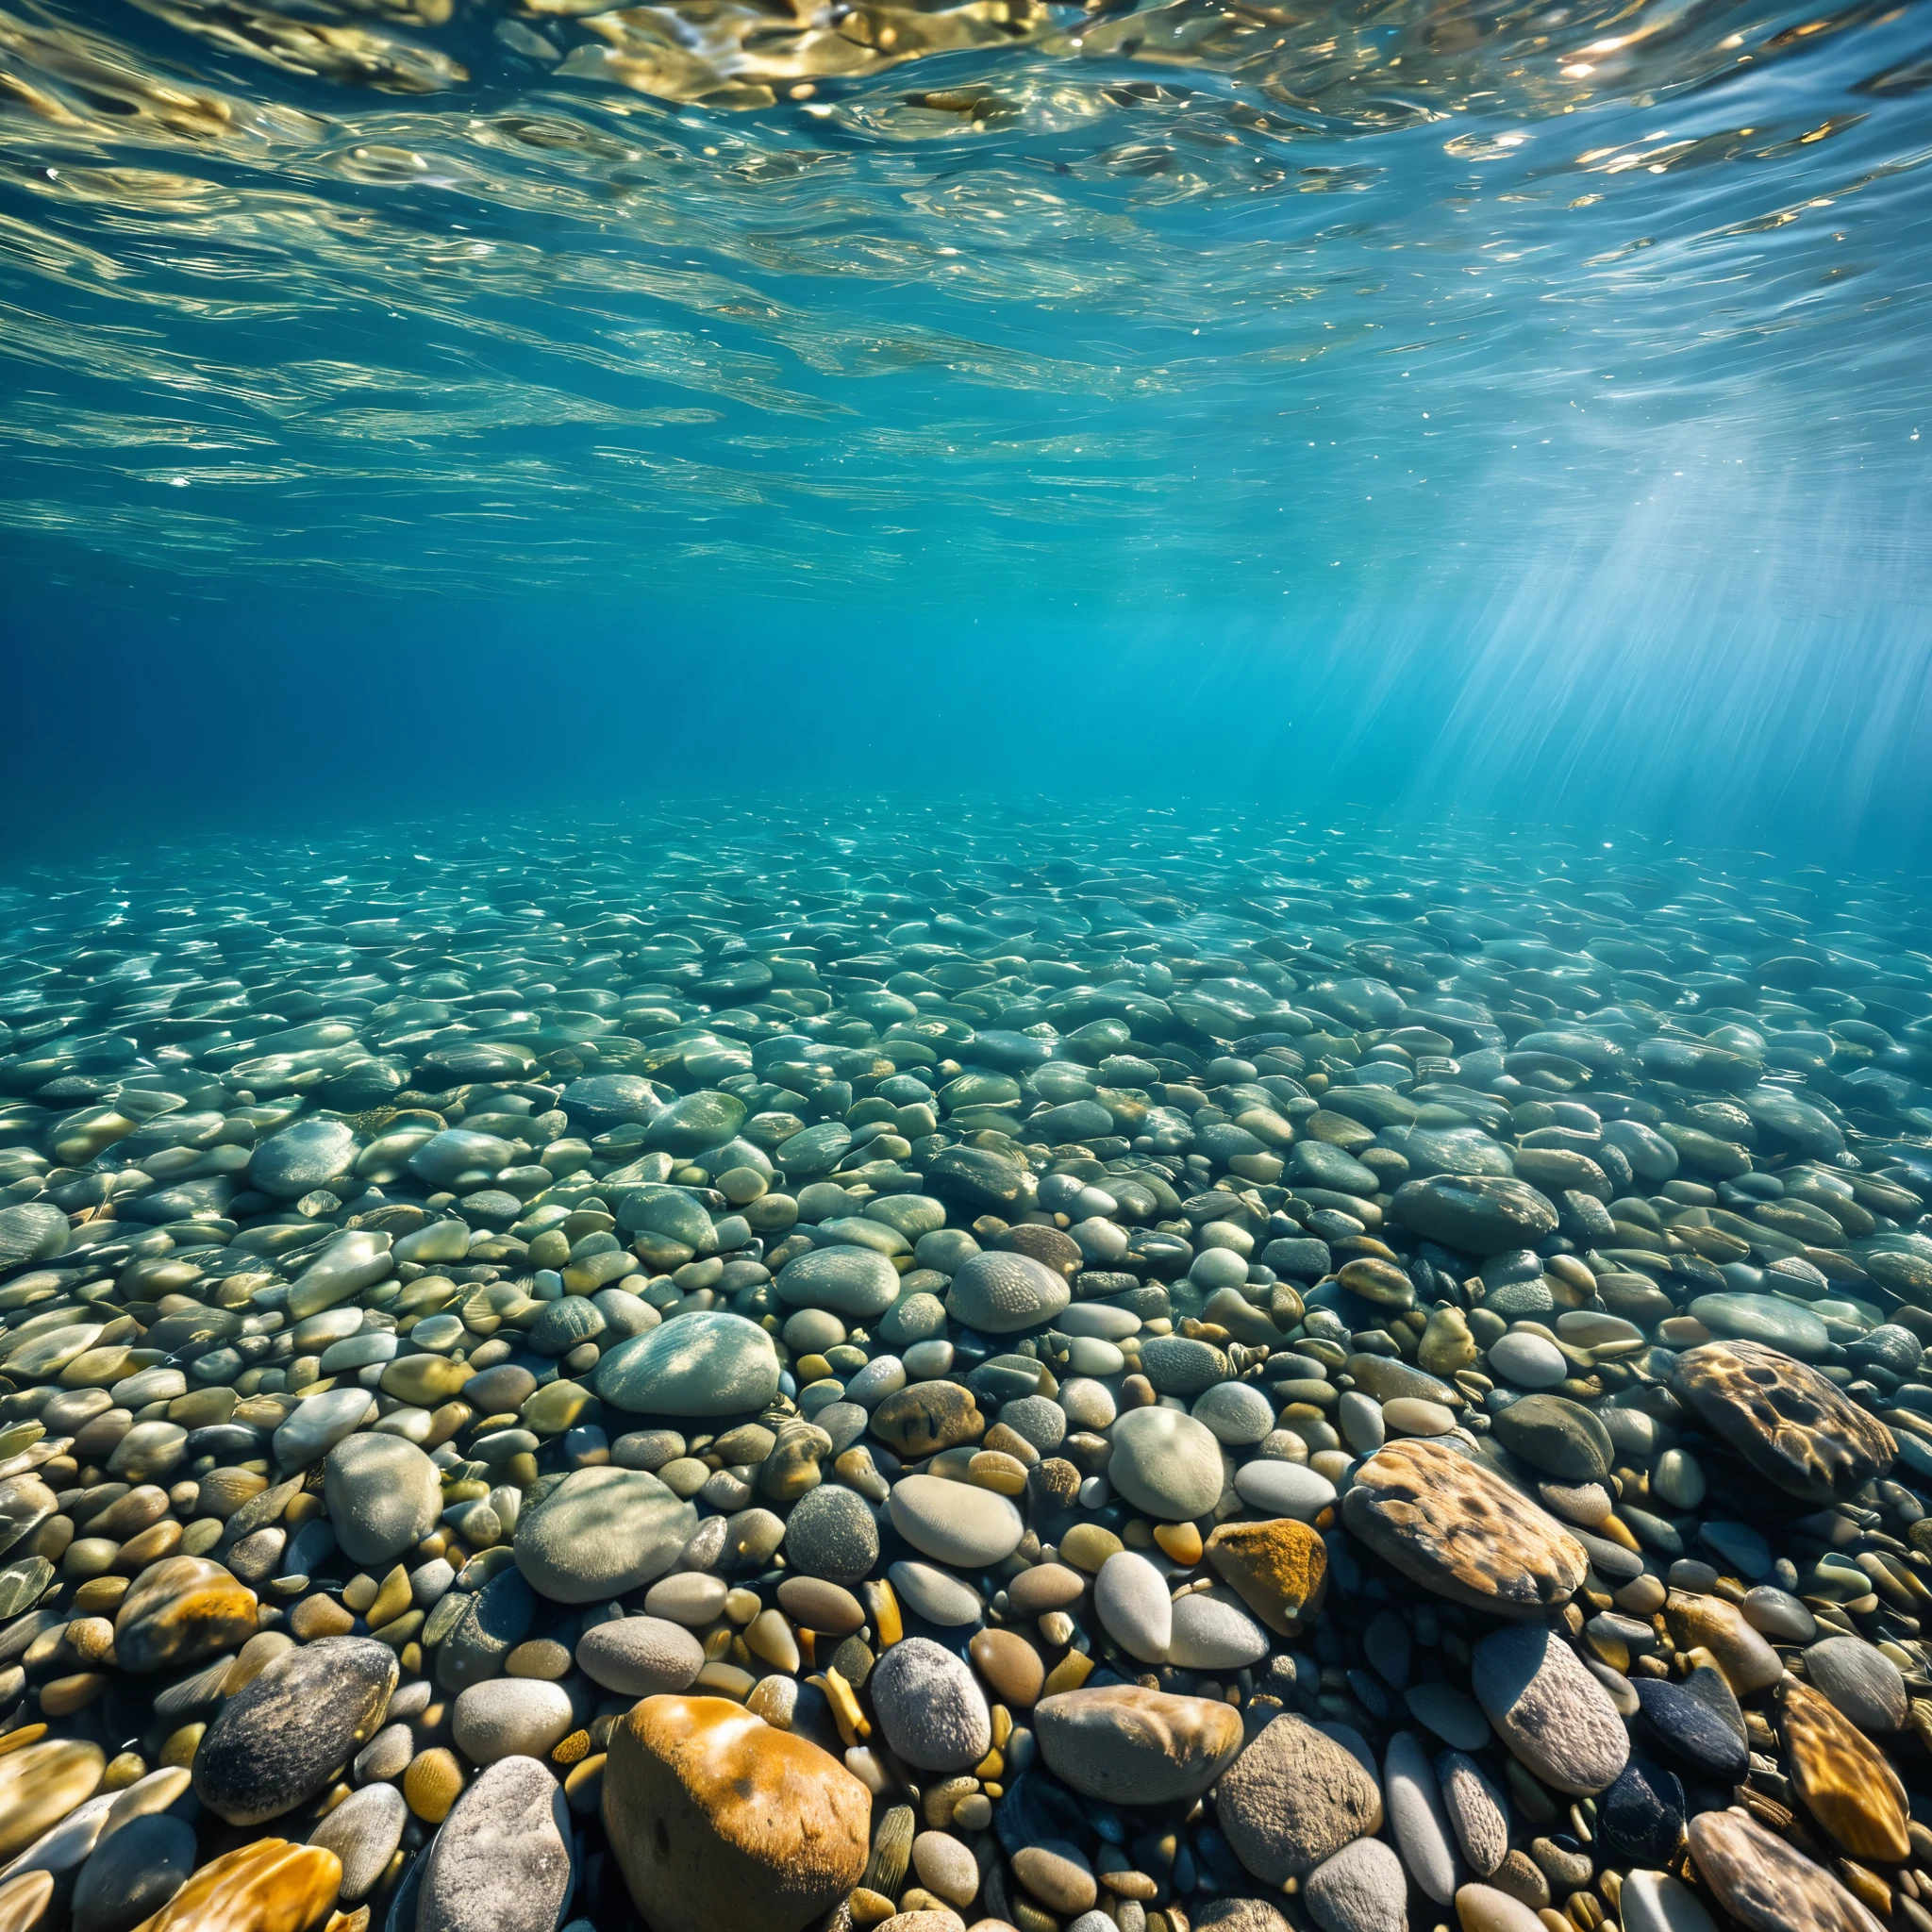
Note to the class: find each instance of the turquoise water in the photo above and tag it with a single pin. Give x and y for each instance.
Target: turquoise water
(1510, 409)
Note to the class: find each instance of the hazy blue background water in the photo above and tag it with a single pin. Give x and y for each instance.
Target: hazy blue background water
(1469, 407)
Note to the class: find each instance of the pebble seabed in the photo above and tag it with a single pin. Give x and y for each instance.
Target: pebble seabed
(756, 1371)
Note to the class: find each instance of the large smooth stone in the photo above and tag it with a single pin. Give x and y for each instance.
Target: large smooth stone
(458, 1151)
(641, 1657)
(281, 1737)
(1557, 1436)
(832, 1534)
(1766, 1319)
(1555, 1717)
(1790, 1424)
(1294, 1797)
(302, 1157)
(179, 1611)
(1166, 1463)
(1004, 1294)
(844, 1280)
(694, 1123)
(601, 1533)
(383, 1495)
(1654, 1902)
(1863, 1683)
(511, 1717)
(1475, 1214)
(134, 1872)
(40, 1784)
(487, 1625)
(719, 1822)
(1133, 1746)
(1130, 1599)
(955, 1523)
(320, 1422)
(705, 1363)
(1448, 1523)
(270, 1886)
(930, 1706)
(355, 1260)
(501, 1862)
(1767, 1885)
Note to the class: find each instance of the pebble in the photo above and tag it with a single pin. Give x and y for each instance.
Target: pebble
(1166, 1463)
(511, 1717)
(133, 1873)
(502, 1861)
(601, 1532)
(1293, 1798)
(382, 1494)
(707, 1363)
(1284, 1488)
(956, 1522)
(1449, 1524)
(1131, 1600)
(832, 1535)
(1134, 1746)
(931, 1707)
(1767, 1885)
(722, 1822)
(363, 1831)
(1548, 1709)
(1861, 1681)
(1361, 1889)
(279, 1739)
(643, 1656)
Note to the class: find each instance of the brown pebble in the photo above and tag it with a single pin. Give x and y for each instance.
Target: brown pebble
(319, 1616)
(1009, 1664)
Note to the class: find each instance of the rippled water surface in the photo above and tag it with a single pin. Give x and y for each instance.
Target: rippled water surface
(736, 298)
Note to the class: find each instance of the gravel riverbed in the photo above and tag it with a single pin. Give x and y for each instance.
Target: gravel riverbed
(1085, 1371)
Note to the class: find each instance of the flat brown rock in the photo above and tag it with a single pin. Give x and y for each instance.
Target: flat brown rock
(1134, 1746)
(1765, 1884)
(1784, 1419)
(1844, 1779)
(1448, 1523)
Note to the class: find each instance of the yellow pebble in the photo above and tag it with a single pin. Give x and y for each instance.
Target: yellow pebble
(574, 1749)
(1006, 1475)
(883, 1607)
(63, 1696)
(127, 1769)
(392, 1600)
(432, 1784)
(20, 1740)
(360, 1591)
(1180, 1541)
(182, 1745)
(1068, 1674)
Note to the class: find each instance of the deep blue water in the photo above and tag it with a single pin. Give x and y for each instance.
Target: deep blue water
(1506, 412)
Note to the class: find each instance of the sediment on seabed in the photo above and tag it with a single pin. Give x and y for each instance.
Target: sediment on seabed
(1123, 1373)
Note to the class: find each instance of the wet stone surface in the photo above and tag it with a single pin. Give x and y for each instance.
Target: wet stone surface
(1099, 1376)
